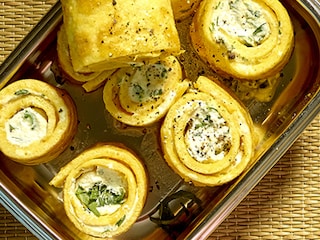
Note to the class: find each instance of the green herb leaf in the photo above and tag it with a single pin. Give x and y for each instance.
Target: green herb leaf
(258, 29)
(30, 117)
(211, 27)
(138, 90)
(121, 220)
(82, 195)
(156, 71)
(218, 5)
(156, 92)
(11, 128)
(93, 208)
(99, 195)
(22, 92)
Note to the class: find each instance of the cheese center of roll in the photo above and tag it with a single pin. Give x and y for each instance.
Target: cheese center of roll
(25, 127)
(102, 191)
(243, 20)
(147, 82)
(207, 135)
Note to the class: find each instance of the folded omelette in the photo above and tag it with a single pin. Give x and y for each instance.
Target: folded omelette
(108, 34)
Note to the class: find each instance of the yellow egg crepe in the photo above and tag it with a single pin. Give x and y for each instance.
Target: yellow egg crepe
(207, 135)
(90, 81)
(104, 189)
(109, 34)
(141, 95)
(37, 121)
(245, 39)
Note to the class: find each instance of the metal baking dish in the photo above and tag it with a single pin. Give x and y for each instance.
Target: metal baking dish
(25, 191)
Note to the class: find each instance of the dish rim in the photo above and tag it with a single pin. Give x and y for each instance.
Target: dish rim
(29, 219)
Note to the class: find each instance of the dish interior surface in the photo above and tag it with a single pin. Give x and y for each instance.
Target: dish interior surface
(28, 186)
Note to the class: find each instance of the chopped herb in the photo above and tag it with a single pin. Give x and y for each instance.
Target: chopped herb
(247, 44)
(22, 92)
(218, 5)
(30, 117)
(156, 92)
(11, 128)
(258, 29)
(138, 90)
(121, 220)
(232, 5)
(254, 13)
(208, 118)
(211, 27)
(201, 125)
(99, 195)
(93, 208)
(279, 23)
(156, 71)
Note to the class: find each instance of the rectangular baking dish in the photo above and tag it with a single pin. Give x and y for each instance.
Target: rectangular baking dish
(25, 192)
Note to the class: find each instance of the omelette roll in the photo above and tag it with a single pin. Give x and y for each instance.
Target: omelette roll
(207, 135)
(37, 121)
(104, 189)
(141, 95)
(106, 35)
(90, 81)
(246, 39)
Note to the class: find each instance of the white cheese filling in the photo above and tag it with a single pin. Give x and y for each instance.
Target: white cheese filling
(26, 127)
(243, 20)
(208, 135)
(114, 181)
(147, 82)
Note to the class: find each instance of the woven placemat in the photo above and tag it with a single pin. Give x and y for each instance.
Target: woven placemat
(286, 202)
(284, 205)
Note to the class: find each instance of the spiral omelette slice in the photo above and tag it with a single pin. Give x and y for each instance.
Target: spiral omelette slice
(245, 39)
(141, 95)
(207, 135)
(37, 121)
(104, 189)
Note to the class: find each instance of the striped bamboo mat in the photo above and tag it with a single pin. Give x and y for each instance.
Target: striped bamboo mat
(284, 205)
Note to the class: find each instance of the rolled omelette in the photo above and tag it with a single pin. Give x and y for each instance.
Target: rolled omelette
(109, 34)
(37, 121)
(245, 39)
(207, 135)
(90, 81)
(141, 95)
(104, 189)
